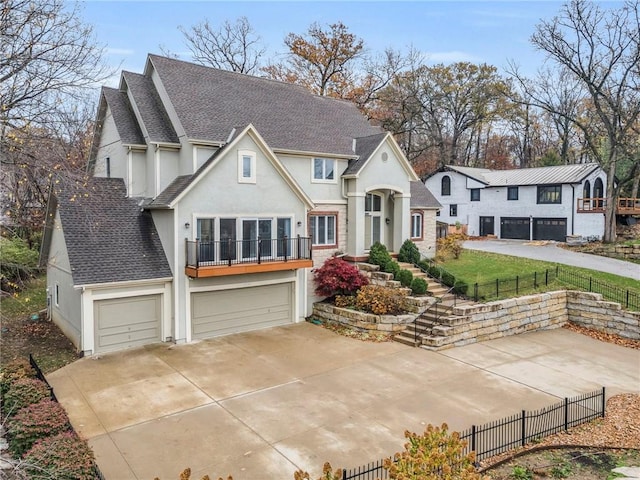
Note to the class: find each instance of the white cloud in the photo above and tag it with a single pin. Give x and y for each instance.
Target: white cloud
(451, 57)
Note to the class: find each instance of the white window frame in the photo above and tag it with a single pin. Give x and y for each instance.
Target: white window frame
(324, 178)
(242, 155)
(416, 224)
(313, 226)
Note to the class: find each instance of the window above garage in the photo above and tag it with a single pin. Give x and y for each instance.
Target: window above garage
(549, 194)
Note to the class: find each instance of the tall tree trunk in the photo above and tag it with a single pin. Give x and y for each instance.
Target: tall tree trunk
(610, 206)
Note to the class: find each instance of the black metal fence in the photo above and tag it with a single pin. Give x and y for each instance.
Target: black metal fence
(511, 432)
(520, 284)
(40, 376)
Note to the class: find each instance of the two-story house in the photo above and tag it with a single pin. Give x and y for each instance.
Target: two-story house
(211, 196)
(545, 203)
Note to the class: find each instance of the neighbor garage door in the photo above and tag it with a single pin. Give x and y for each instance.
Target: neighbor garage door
(241, 309)
(127, 322)
(514, 228)
(550, 229)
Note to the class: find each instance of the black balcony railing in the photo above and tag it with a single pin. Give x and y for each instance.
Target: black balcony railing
(235, 252)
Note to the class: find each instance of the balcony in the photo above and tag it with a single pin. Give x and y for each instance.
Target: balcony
(239, 257)
(625, 206)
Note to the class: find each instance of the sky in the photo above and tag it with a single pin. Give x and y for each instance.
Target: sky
(492, 32)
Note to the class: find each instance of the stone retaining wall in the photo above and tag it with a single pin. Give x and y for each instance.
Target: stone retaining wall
(477, 323)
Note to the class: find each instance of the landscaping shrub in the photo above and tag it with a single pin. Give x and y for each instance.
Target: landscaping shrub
(34, 422)
(345, 301)
(63, 455)
(17, 263)
(12, 371)
(24, 392)
(460, 287)
(434, 455)
(379, 255)
(405, 277)
(380, 300)
(419, 286)
(451, 245)
(448, 279)
(424, 265)
(391, 267)
(409, 253)
(337, 277)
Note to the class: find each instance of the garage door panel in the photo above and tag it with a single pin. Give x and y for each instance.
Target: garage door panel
(229, 311)
(127, 322)
(550, 229)
(516, 228)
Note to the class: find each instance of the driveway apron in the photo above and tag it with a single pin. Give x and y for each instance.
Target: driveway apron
(260, 405)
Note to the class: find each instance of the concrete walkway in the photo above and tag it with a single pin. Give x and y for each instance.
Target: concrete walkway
(261, 404)
(551, 252)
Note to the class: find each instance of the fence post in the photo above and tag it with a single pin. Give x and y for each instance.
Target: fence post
(524, 426)
(473, 439)
(566, 414)
(344, 474)
(535, 279)
(627, 298)
(590, 279)
(475, 292)
(517, 283)
(497, 287)
(546, 276)
(603, 402)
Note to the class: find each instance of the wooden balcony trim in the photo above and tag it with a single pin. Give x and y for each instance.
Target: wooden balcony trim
(598, 205)
(245, 268)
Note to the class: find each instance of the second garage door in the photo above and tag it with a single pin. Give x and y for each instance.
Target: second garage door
(127, 322)
(514, 228)
(550, 229)
(241, 309)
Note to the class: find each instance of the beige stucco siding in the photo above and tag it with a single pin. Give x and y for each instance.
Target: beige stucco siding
(110, 146)
(66, 314)
(301, 168)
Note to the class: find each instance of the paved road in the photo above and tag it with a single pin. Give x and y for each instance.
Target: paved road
(551, 252)
(261, 404)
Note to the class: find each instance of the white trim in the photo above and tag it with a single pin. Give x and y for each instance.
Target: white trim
(235, 286)
(127, 283)
(160, 289)
(331, 202)
(303, 153)
(156, 167)
(176, 283)
(194, 159)
(404, 163)
(251, 155)
(129, 173)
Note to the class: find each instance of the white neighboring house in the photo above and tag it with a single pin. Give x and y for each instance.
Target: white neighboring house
(545, 203)
(212, 196)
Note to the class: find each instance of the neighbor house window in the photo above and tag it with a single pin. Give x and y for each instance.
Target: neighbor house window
(323, 229)
(246, 166)
(586, 191)
(512, 193)
(475, 194)
(416, 225)
(550, 194)
(453, 210)
(445, 186)
(323, 170)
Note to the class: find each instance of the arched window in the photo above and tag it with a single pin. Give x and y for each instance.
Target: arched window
(586, 191)
(446, 186)
(598, 192)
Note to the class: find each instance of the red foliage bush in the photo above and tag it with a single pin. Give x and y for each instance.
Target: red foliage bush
(24, 392)
(61, 456)
(34, 422)
(337, 277)
(12, 371)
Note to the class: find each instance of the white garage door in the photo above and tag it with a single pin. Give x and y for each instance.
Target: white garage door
(241, 309)
(127, 322)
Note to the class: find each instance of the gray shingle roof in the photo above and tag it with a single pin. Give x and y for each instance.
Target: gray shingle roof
(421, 197)
(152, 112)
(529, 176)
(123, 116)
(365, 146)
(210, 102)
(108, 237)
(171, 192)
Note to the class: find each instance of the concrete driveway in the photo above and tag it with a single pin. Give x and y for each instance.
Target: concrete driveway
(259, 405)
(551, 252)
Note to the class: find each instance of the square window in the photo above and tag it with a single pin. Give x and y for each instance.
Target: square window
(549, 194)
(453, 210)
(246, 166)
(475, 194)
(323, 170)
(323, 229)
(512, 193)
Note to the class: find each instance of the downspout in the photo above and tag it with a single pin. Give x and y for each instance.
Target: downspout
(573, 208)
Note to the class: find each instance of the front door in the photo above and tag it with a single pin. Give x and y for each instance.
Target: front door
(372, 219)
(486, 226)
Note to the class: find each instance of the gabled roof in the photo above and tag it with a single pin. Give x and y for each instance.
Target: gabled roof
(365, 146)
(152, 112)
(421, 197)
(211, 102)
(559, 174)
(108, 237)
(123, 116)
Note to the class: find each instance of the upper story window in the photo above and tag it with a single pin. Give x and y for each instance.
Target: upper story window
(416, 225)
(549, 193)
(323, 230)
(324, 170)
(586, 190)
(475, 194)
(246, 166)
(512, 193)
(446, 186)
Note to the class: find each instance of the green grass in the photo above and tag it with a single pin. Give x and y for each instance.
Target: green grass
(30, 300)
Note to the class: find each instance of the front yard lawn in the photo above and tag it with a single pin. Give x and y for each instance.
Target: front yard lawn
(21, 335)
